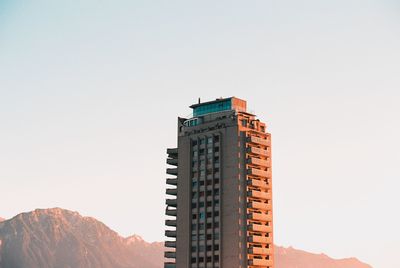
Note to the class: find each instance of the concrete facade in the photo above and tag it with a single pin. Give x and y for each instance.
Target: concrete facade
(221, 178)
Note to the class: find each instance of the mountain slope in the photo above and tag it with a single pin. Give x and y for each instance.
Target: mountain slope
(293, 258)
(57, 238)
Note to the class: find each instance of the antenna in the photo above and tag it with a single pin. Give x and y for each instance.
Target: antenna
(199, 101)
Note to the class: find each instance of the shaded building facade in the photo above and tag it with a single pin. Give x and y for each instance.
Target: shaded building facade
(219, 190)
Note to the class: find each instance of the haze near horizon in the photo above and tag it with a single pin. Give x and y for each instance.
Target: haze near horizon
(90, 92)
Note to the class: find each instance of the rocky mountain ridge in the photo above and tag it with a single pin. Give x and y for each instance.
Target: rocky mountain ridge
(49, 238)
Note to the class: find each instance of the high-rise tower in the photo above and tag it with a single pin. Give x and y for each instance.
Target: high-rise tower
(219, 203)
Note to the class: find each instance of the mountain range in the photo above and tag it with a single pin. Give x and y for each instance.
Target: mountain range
(58, 238)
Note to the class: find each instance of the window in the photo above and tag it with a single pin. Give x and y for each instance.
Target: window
(202, 141)
(194, 260)
(194, 143)
(194, 216)
(216, 138)
(244, 122)
(194, 184)
(194, 237)
(194, 249)
(210, 140)
(202, 216)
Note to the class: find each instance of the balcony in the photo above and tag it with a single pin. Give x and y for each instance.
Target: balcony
(169, 265)
(260, 251)
(170, 254)
(172, 181)
(172, 161)
(258, 151)
(259, 239)
(258, 183)
(260, 228)
(172, 152)
(260, 217)
(171, 212)
(172, 191)
(258, 140)
(171, 223)
(169, 233)
(259, 162)
(261, 262)
(259, 205)
(172, 171)
(170, 244)
(171, 202)
(259, 172)
(259, 194)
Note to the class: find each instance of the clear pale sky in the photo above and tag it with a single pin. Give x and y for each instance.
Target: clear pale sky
(90, 92)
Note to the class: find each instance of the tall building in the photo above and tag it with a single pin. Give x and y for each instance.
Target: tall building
(219, 204)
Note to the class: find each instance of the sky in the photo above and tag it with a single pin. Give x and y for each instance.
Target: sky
(90, 92)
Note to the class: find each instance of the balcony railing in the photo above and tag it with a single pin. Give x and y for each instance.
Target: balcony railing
(170, 244)
(171, 212)
(172, 152)
(259, 172)
(169, 265)
(169, 233)
(170, 254)
(259, 194)
(258, 183)
(260, 251)
(172, 171)
(171, 223)
(260, 217)
(258, 151)
(171, 191)
(172, 181)
(172, 161)
(260, 228)
(171, 202)
(258, 140)
(259, 205)
(259, 162)
(259, 239)
(261, 262)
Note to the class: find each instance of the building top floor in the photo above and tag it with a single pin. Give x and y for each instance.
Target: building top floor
(219, 105)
